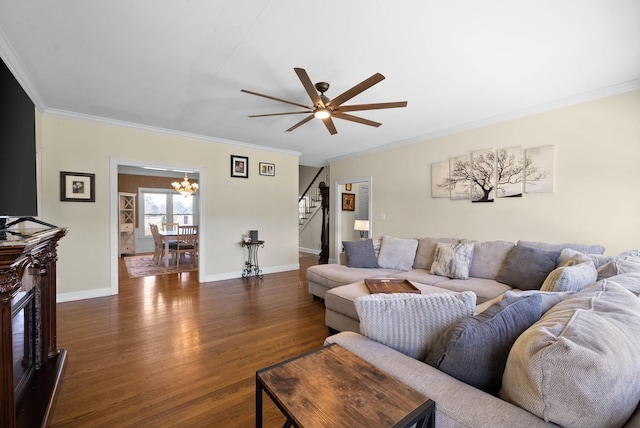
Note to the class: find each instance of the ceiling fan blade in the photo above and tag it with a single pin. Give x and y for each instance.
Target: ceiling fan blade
(360, 87)
(356, 119)
(330, 126)
(276, 99)
(360, 107)
(309, 87)
(302, 122)
(278, 114)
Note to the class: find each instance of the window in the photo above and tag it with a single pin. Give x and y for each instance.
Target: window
(159, 206)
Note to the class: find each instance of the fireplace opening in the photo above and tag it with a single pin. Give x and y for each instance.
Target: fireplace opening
(23, 327)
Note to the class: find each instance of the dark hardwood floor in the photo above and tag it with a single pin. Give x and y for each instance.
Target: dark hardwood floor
(168, 351)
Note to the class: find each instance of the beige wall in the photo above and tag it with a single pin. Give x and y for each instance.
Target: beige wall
(233, 206)
(597, 174)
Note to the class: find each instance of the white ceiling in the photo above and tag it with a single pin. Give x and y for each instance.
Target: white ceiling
(179, 65)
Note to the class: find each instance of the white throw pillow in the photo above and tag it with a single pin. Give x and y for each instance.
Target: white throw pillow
(397, 253)
(571, 277)
(410, 323)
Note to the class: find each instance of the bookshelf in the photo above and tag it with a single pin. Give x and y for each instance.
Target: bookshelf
(126, 222)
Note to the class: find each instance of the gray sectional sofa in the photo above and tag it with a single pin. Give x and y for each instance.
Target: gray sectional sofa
(340, 284)
(574, 362)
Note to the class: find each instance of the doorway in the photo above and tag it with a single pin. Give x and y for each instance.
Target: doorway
(115, 165)
(344, 221)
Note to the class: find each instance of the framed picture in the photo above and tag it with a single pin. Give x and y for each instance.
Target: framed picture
(347, 187)
(77, 187)
(267, 169)
(348, 202)
(239, 166)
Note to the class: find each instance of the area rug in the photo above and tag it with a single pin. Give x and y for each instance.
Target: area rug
(139, 266)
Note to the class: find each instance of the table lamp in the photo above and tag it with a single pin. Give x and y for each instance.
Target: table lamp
(362, 226)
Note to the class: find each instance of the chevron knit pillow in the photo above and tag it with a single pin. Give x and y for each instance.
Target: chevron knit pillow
(411, 323)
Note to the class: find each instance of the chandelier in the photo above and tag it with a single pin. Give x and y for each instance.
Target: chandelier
(185, 188)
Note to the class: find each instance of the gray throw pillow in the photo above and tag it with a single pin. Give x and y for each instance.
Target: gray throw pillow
(397, 253)
(360, 254)
(526, 268)
(475, 349)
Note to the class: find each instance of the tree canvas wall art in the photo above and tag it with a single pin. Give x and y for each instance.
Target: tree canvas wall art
(538, 170)
(459, 177)
(483, 175)
(440, 179)
(510, 172)
(486, 174)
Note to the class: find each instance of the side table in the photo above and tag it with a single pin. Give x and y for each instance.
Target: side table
(333, 387)
(251, 266)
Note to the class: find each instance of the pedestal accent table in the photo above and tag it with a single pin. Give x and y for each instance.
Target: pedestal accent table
(251, 266)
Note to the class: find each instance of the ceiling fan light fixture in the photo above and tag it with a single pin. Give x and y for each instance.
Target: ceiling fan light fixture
(322, 113)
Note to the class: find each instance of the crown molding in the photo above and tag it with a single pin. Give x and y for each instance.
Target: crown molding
(15, 66)
(65, 114)
(632, 85)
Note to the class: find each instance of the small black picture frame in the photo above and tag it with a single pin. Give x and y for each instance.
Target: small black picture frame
(77, 187)
(267, 169)
(240, 166)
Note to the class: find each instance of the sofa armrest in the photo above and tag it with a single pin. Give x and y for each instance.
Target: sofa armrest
(457, 404)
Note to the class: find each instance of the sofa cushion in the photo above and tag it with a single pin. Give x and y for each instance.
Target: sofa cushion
(579, 365)
(452, 260)
(474, 350)
(410, 323)
(335, 275)
(583, 248)
(619, 266)
(571, 278)
(426, 251)
(360, 254)
(526, 268)
(569, 257)
(397, 253)
(488, 257)
(422, 276)
(484, 289)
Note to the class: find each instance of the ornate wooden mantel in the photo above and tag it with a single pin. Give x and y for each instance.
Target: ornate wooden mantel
(28, 268)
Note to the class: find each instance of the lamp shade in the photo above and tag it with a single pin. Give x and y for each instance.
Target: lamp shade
(361, 225)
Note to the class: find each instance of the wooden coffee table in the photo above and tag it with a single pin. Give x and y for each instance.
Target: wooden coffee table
(332, 387)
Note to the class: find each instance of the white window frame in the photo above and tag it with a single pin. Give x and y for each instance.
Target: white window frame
(170, 193)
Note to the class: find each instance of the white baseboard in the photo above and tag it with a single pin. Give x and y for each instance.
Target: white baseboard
(238, 274)
(309, 250)
(82, 295)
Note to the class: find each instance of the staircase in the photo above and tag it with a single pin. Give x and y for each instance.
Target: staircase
(310, 202)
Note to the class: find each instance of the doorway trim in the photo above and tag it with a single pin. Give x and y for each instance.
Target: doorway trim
(337, 203)
(113, 213)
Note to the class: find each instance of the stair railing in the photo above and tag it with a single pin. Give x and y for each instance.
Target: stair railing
(311, 199)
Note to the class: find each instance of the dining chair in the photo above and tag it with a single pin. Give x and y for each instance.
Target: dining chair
(158, 253)
(170, 227)
(187, 244)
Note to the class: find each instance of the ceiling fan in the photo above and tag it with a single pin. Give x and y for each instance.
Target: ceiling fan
(326, 109)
